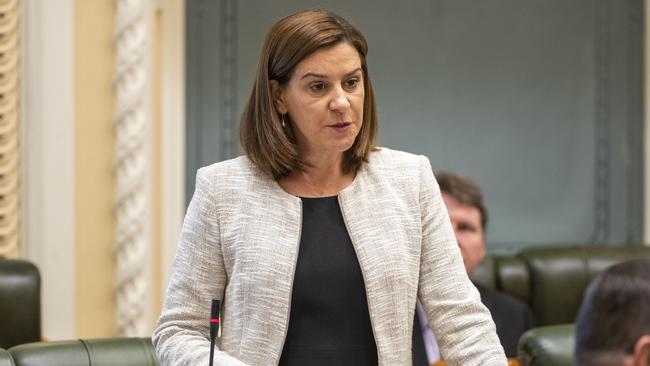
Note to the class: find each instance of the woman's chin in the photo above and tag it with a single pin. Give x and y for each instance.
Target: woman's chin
(345, 147)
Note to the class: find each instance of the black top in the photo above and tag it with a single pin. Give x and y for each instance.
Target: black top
(329, 322)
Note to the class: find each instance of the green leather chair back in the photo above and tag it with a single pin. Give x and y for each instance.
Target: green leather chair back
(94, 352)
(552, 280)
(559, 276)
(547, 346)
(5, 358)
(506, 274)
(485, 273)
(20, 303)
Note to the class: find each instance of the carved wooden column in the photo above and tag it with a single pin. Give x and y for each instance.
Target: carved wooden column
(132, 192)
(10, 146)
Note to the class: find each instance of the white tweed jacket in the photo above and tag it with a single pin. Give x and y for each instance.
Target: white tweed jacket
(240, 241)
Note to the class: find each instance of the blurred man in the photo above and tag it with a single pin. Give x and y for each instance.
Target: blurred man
(469, 218)
(613, 323)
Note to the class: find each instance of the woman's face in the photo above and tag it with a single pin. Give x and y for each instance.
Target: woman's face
(324, 100)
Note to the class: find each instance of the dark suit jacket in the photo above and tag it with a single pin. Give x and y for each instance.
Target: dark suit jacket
(511, 316)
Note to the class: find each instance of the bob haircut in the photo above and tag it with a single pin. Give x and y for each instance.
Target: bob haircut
(267, 144)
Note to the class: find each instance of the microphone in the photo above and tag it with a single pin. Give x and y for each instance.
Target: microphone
(214, 326)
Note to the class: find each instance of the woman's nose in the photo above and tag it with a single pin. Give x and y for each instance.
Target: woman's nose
(339, 102)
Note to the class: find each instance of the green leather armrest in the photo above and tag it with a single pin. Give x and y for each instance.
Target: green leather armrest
(95, 352)
(5, 358)
(20, 303)
(121, 351)
(550, 345)
(62, 353)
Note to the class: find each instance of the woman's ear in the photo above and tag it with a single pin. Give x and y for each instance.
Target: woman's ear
(642, 351)
(278, 97)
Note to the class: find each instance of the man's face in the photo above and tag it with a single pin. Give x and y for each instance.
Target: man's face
(466, 221)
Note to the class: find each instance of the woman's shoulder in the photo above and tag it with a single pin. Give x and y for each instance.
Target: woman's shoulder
(238, 165)
(239, 171)
(389, 159)
(395, 171)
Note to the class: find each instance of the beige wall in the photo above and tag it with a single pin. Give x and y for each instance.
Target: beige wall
(94, 157)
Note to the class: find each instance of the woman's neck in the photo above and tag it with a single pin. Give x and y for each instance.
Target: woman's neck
(322, 177)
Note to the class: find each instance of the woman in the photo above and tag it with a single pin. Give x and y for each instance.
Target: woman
(317, 242)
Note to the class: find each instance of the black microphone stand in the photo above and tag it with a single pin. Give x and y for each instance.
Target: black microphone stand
(214, 326)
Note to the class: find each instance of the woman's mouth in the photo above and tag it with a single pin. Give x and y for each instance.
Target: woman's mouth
(341, 126)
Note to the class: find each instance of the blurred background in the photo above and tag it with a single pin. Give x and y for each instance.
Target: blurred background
(108, 108)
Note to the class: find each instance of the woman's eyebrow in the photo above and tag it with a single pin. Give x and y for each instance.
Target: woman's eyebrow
(321, 76)
(313, 74)
(358, 69)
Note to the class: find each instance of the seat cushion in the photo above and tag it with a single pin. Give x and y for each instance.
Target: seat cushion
(550, 345)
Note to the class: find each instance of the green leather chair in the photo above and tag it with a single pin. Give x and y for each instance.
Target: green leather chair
(20, 303)
(5, 358)
(547, 346)
(507, 274)
(552, 280)
(89, 352)
(559, 277)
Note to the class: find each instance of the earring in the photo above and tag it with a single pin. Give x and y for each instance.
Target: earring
(284, 124)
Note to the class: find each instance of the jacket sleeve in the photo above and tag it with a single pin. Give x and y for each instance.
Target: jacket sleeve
(181, 337)
(462, 325)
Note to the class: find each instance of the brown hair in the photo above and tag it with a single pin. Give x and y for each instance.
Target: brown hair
(273, 148)
(464, 190)
(614, 314)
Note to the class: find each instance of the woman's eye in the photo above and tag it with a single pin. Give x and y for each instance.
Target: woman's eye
(351, 83)
(317, 87)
